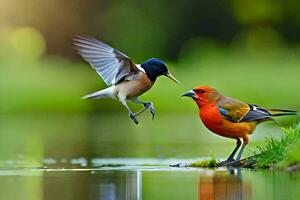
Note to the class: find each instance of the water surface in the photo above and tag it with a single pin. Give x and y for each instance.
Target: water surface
(84, 156)
(148, 182)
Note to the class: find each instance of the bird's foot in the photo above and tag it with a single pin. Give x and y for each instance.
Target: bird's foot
(152, 110)
(134, 119)
(226, 162)
(149, 106)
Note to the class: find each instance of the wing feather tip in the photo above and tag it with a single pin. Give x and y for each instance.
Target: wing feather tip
(99, 54)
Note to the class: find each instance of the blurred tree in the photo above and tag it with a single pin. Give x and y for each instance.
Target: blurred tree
(144, 28)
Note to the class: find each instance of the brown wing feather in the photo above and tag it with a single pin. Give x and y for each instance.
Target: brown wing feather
(232, 109)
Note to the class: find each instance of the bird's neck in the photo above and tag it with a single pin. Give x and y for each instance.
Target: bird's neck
(202, 104)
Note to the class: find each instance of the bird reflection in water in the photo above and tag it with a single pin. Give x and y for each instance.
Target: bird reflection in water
(228, 185)
(211, 185)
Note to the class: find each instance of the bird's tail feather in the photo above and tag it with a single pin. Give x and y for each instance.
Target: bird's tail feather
(107, 92)
(280, 112)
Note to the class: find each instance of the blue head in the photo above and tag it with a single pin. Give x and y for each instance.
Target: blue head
(155, 68)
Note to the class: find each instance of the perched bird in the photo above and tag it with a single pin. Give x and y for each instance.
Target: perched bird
(126, 80)
(229, 117)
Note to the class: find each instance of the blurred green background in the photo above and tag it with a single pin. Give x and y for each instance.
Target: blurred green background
(246, 49)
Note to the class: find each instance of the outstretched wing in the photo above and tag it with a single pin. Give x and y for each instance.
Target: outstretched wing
(111, 64)
(237, 111)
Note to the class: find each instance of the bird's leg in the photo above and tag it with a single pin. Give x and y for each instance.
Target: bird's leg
(138, 101)
(141, 111)
(245, 142)
(131, 115)
(241, 152)
(152, 110)
(231, 156)
(146, 106)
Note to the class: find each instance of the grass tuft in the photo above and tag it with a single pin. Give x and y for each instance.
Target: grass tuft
(211, 163)
(280, 152)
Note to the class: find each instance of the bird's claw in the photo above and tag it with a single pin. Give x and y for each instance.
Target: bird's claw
(226, 162)
(149, 106)
(134, 119)
(152, 110)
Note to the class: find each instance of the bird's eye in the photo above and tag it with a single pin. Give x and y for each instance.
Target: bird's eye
(199, 91)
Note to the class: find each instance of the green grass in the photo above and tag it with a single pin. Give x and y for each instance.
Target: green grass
(280, 153)
(211, 163)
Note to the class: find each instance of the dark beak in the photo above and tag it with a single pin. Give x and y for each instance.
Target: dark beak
(190, 93)
(170, 76)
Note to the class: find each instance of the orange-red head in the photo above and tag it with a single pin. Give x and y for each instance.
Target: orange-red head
(203, 95)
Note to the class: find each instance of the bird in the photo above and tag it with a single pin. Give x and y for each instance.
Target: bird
(126, 80)
(231, 118)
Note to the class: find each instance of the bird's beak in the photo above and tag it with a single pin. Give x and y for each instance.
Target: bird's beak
(170, 76)
(190, 93)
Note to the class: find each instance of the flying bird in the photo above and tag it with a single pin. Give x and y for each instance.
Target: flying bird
(229, 117)
(126, 80)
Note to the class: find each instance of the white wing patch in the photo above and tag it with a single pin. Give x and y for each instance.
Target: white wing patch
(140, 68)
(109, 63)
